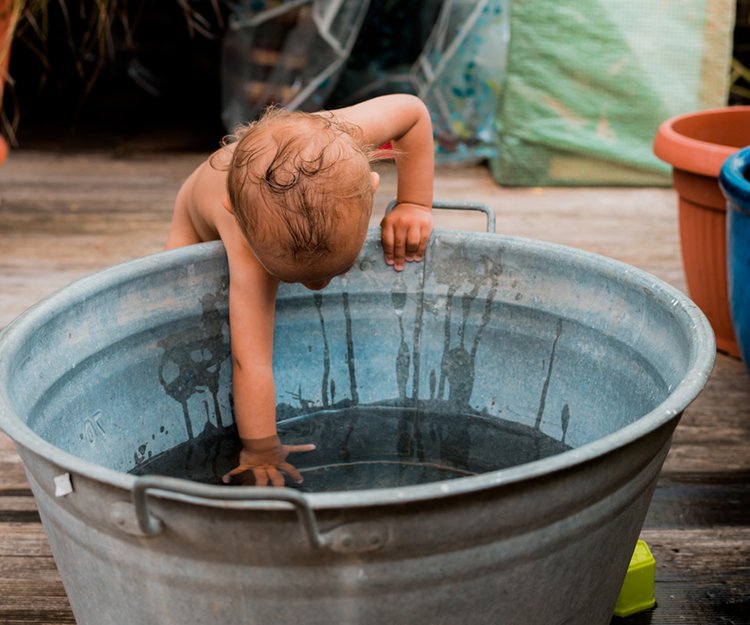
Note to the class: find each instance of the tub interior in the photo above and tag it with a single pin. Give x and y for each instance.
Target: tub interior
(492, 353)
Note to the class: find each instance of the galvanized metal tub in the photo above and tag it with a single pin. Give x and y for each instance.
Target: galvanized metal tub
(490, 338)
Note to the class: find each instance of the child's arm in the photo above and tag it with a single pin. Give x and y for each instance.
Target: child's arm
(252, 297)
(252, 300)
(404, 121)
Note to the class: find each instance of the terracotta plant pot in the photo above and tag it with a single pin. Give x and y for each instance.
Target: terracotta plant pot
(735, 183)
(696, 145)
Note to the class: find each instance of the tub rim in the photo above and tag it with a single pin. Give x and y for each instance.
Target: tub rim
(685, 152)
(700, 364)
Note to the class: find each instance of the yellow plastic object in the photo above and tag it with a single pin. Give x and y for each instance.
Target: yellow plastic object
(637, 592)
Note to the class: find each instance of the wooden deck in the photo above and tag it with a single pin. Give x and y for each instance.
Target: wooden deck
(66, 215)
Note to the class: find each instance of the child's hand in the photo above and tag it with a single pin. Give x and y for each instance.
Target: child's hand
(266, 457)
(405, 232)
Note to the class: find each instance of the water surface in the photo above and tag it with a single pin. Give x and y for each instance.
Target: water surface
(369, 447)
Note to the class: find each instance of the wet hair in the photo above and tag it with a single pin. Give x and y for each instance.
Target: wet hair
(294, 176)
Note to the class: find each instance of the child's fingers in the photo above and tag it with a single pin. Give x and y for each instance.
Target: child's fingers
(299, 448)
(424, 239)
(267, 471)
(413, 242)
(291, 472)
(227, 477)
(261, 476)
(399, 249)
(276, 478)
(386, 239)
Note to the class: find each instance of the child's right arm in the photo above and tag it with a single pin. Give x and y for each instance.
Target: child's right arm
(252, 299)
(200, 216)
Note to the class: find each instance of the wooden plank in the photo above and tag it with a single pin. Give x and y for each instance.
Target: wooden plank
(696, 552)
(85, 213)
(15, 573)
(714, 432)
(23, 540)
(31, 590)
(36, 616)
(696, 500)
(12, 474)
(18, 507)
(702, 577)
(695, 602)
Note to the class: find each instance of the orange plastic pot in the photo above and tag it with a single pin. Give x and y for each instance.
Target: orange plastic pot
(696, 145)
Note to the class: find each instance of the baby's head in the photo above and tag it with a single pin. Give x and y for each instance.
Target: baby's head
(301, 189)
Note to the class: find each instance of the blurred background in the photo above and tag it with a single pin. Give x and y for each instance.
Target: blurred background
(539, 91)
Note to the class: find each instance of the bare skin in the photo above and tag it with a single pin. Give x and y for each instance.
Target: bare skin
(203, 213)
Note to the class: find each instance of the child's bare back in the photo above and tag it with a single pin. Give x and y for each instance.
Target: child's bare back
(291, 199)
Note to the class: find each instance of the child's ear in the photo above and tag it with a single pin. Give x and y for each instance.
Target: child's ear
(375, 180)
(227, 205)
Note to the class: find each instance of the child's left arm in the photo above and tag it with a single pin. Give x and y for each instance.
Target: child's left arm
(404, 121)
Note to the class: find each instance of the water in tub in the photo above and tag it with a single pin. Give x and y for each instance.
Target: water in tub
(370, 447)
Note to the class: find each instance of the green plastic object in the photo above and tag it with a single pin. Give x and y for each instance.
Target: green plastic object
(588, 82)
(637, 592)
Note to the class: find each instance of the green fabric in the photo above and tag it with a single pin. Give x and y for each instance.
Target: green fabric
(589, 81)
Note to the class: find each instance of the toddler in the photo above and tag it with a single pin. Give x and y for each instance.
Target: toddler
(290, 196)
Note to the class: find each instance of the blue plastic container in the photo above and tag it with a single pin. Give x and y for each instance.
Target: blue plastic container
(735, 185)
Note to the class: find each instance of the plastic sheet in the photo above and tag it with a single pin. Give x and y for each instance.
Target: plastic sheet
(286, 52)
(301, 54)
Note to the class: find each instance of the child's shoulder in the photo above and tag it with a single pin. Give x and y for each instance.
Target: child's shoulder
(202, 195)
(211, 175)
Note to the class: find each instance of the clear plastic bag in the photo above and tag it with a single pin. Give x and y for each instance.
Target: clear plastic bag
(293, 52)
(285, 52)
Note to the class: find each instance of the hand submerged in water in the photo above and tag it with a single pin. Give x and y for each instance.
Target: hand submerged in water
(266, 458)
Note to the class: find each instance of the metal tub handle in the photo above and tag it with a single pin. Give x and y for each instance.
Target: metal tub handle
(459, 206)
(355, 537)
(151, 526)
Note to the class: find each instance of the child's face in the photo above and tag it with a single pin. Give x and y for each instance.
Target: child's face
(349, 237)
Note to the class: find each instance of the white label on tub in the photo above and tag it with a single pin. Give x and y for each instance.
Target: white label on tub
(63, 485)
